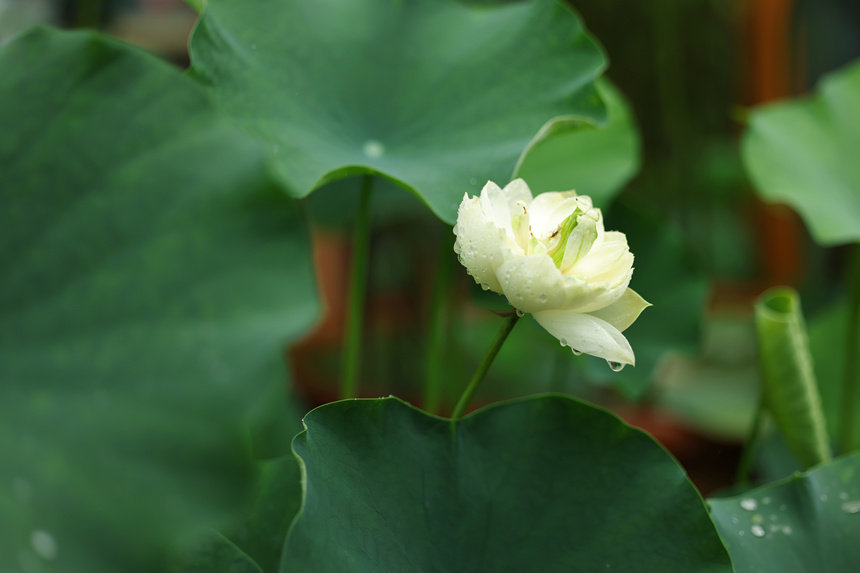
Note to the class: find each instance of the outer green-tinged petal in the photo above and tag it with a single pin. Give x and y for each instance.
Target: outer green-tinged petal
(588, 334)
(624, 311)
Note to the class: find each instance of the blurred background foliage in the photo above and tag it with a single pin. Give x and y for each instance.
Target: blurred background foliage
(667, 171)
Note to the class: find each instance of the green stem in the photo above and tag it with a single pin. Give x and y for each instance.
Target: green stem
(436, 335)
(745, 463)
(358, 287)
(478, 377)
(852, 339)
(88, 14)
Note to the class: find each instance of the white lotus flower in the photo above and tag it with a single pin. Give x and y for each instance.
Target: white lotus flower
(550, 256)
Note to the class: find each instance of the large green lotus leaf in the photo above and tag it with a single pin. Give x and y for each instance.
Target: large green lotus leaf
(152, 273)
(808, 522)
(437, 95)
(544, 484)
(594, 162)
(804, 153)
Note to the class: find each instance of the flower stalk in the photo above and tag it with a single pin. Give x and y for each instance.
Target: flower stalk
(358, 288)
(484, 366)
(852, 340)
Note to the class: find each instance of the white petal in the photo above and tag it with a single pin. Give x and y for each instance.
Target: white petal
(480, 244)
(532, 283)
(494, 204)
(542, 209)
(609, 260)
(587, 334)
(516, 191)
(624, 311)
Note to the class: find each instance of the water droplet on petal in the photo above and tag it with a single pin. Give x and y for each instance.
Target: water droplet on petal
(749, 504)
(852, 506)
(485, 286)
(615, 366)
(542, 297)
(520, 313)
(562, 341)
(757, 530)
(576, 352)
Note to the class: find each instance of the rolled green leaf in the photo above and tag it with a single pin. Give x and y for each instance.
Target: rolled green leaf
(788, 381)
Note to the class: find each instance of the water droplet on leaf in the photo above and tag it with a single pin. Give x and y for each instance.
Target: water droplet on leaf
(852, 506)
(757, 530)
(373, 149)
(749, 504)
(43, 544)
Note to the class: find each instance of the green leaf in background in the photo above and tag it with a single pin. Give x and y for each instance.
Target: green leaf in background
(809, 522)
(545, 484)
(257, 542)
(437, 95)
(787, 377)
(826, 342)
(594, 162)
(804, 153)
(152, 274)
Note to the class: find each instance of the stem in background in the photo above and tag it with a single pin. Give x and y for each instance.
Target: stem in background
(852, 339)
(745, 463)
(88, 14)
(436, 333)
(357, 289)
(478, 377)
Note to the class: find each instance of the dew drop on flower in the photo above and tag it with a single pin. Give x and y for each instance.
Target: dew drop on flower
(576, 352)
(520, 313)
(485, 286)
(562, 341)
(615, 366)
(543, 297)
